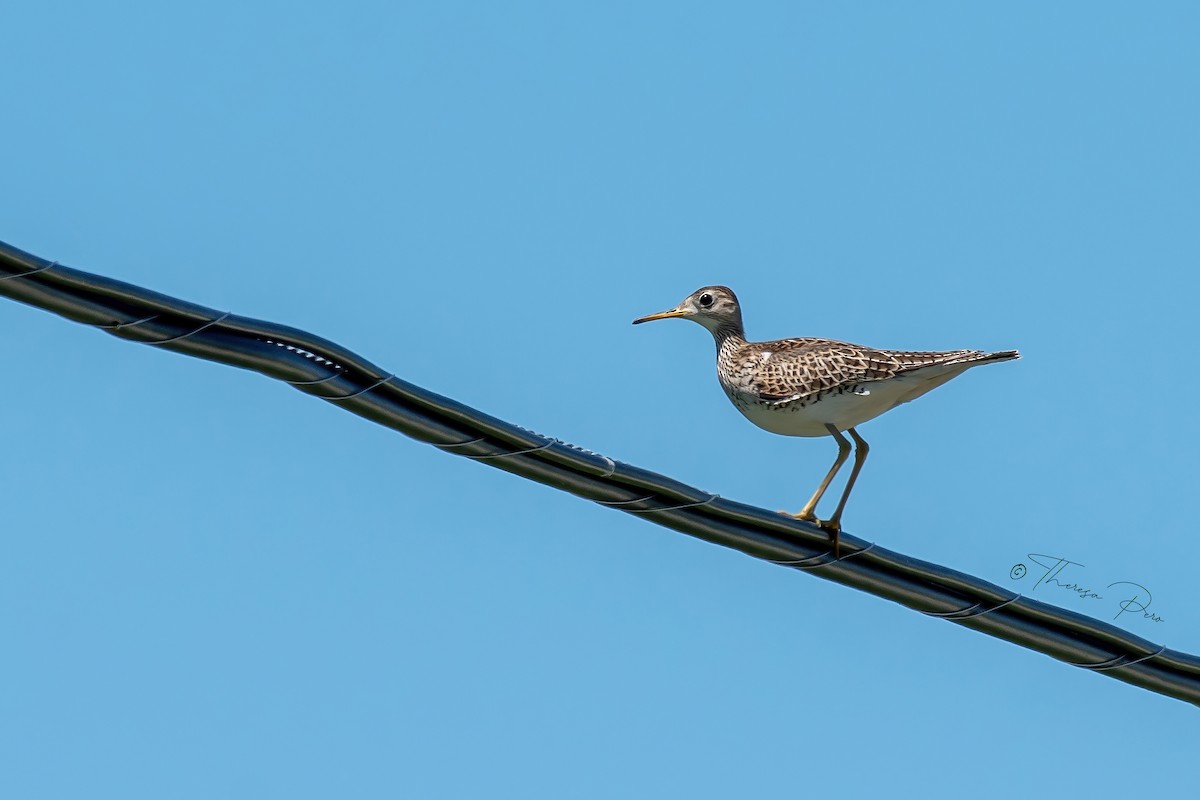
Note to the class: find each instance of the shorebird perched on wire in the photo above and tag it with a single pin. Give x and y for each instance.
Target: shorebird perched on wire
(817, 387)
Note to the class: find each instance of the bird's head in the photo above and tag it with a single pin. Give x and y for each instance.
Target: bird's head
(714, 307)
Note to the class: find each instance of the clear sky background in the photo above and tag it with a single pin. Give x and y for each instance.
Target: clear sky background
(214, 586)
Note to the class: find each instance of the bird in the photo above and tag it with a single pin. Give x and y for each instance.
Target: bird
(817, 387)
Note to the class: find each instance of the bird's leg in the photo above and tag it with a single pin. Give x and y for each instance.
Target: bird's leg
(861, 449)
(810, 508)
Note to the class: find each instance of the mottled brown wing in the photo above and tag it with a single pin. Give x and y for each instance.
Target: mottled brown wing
(802, 368)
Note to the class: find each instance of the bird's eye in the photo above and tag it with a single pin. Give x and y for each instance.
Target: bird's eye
(706, 300)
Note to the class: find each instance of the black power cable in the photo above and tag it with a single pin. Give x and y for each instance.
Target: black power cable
(333, 373)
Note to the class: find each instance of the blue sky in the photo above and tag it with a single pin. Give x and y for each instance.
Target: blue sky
(215, 586)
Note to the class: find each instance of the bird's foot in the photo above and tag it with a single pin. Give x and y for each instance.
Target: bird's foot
(834, 527)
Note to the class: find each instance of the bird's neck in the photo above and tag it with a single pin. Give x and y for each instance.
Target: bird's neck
(730, 335)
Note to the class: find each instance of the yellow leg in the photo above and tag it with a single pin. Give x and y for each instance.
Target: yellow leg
(834, 523)
(810, 508)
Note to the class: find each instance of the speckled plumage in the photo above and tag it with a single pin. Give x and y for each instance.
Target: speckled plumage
(793, 386)
(816, 387)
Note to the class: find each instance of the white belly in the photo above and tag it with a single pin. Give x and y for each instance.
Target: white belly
(841, 410)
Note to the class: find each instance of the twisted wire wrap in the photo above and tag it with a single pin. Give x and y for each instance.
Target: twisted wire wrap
(453, 428)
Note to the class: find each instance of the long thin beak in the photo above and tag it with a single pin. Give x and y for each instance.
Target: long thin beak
(674, 312)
